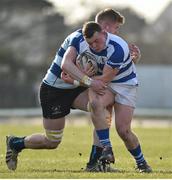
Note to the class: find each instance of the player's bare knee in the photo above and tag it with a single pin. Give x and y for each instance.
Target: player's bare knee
(54, 138)
(95, 105)
(123, 133)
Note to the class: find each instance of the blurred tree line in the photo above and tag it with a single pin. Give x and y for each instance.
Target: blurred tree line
(31, 32)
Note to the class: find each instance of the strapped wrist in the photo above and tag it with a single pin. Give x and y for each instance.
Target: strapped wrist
(76, 83)
(86, 80)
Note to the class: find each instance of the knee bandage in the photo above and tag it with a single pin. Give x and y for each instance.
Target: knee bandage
(54, 135)
(88, 107)
(108, 115)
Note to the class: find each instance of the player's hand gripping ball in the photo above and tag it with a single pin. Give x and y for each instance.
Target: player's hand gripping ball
(86, 62)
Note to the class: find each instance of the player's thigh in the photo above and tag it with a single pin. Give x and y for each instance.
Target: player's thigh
(56, 103)
(107, 99)
(123, 116)
(125, 101)
(54, 124)
(81, 101)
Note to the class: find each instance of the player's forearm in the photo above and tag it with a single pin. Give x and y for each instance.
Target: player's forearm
(108, 74)
(103, 78)
(134, 52)
(73, 71)
(76, 74)
(68, 79)
(136, 59)
(69, 66)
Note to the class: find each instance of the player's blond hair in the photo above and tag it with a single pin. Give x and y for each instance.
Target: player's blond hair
(109, 14)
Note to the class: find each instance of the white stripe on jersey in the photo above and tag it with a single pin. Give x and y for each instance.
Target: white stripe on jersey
(58, 60)
(69, 38)
(120, 41)
(125, 73)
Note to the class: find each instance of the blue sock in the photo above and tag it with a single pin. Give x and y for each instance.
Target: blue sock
(138, 155)
(17, 143)
(103, 136)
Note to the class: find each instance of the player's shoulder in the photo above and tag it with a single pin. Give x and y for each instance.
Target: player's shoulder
(115, 39)
(75, 34)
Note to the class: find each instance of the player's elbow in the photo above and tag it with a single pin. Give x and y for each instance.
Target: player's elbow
(65, 66)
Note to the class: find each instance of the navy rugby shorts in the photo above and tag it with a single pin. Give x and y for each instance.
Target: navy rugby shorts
(55, 102)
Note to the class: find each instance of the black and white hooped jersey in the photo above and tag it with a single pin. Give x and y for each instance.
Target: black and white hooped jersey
(116, 55)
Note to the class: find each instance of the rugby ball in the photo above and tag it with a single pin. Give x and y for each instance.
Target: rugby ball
(86, 59)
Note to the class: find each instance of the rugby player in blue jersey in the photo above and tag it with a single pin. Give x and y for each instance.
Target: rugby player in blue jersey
(119, 73)
(110, 21)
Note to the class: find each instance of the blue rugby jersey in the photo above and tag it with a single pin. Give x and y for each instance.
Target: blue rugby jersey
(116, 54)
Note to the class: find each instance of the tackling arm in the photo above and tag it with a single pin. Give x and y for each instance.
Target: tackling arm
(135, 53)
(68, 64)
(108, 74)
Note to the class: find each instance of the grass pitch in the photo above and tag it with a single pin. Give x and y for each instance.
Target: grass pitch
(69, 160)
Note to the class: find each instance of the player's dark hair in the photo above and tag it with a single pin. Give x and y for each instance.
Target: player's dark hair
(111, 15)
(89, 28)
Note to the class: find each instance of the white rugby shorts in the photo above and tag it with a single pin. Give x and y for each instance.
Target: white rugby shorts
(125, 94)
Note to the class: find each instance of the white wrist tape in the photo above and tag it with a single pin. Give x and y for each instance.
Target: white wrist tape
(76, 83)
(86, 80)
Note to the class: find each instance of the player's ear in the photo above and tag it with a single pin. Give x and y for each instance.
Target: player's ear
(107, 27)
(104, 32)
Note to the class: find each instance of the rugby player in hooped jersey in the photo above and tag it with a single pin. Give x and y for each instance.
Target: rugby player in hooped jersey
(56, 99)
